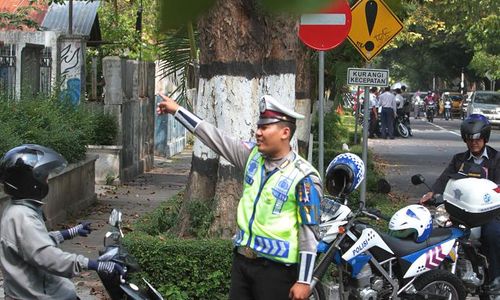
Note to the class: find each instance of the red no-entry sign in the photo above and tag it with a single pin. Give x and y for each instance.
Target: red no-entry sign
(327, 29)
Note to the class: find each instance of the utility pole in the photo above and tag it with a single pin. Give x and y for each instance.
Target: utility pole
(70, 18)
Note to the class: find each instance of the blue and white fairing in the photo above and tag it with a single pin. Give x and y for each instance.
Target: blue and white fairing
(431, 257)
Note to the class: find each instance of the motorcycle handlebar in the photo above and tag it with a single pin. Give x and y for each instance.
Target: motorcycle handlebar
(376, 214)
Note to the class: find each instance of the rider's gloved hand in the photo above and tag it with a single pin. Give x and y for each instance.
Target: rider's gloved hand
(426, 197)
(82, 229)
(106, 267)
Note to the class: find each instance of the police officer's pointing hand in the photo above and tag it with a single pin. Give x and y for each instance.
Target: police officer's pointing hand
(167, 106)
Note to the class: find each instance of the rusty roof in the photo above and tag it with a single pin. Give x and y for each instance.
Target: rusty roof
(84, 16)
(36, 14)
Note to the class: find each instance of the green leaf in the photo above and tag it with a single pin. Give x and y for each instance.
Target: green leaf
(174, 14)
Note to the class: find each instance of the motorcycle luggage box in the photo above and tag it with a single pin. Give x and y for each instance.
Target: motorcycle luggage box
(472, 201)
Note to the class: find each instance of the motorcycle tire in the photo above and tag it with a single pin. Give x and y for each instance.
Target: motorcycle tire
(318, 292)
(433, 285)
(403, 130)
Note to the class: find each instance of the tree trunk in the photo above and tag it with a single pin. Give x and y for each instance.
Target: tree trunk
(303, 103)
(244, 55)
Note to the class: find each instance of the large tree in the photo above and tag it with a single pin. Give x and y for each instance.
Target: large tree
(244, 54)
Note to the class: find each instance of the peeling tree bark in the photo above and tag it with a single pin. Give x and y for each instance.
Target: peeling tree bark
(244, 55)
(303, 102)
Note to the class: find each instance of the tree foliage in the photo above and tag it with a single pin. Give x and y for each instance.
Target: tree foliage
(442, 38)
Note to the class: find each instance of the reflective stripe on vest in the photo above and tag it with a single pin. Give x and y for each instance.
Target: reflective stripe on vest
(268, 210)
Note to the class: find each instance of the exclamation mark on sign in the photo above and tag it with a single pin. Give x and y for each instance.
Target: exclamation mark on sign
(371, 14)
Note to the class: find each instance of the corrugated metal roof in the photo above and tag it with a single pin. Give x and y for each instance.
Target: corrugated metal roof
(84, 14)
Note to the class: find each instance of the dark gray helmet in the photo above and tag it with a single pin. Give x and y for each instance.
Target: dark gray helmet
(24, 170)
(475, 126)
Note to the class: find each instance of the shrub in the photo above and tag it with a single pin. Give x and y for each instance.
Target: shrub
(45, 121)
(51, 122)
(104, 129)
(183, 269)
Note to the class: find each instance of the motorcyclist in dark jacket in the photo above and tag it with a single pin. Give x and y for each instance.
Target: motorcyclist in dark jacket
(475, 131)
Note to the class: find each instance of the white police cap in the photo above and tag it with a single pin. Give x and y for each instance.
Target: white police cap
(271, 111)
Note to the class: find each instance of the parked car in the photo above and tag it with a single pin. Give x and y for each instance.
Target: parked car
(456, 102)
(486, 103)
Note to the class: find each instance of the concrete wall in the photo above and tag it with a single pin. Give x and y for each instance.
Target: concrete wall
(129, 95)
(69, 192)
(108, 166)
(71, 67)
(170, 135)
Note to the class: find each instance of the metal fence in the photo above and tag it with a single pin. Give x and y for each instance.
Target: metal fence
(8, 70)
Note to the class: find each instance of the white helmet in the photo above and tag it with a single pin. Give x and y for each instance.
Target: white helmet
(412, 220)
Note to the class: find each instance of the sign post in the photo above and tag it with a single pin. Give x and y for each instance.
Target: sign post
(376, 26)
(324, 31)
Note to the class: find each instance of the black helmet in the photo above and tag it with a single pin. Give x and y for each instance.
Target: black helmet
(474, 127)
(24, 170)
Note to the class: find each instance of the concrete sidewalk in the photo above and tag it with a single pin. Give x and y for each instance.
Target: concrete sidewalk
(134, 199)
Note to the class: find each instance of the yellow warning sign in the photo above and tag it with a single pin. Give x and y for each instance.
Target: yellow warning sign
(373, 26)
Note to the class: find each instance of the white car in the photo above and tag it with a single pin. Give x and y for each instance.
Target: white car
(486, 103)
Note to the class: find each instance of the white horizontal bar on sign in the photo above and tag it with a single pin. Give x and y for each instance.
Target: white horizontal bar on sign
(322, 19)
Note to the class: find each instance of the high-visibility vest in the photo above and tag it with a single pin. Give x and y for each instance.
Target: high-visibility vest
(268, 216)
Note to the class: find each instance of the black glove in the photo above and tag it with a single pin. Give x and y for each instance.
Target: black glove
(82, 229)
(106, 267)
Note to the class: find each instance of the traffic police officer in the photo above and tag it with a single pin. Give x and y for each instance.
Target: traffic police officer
(278, 213)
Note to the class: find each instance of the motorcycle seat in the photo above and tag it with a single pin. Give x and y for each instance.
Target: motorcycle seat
(403, 247)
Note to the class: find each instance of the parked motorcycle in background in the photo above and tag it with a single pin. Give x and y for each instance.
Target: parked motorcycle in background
(467, 213)
(117, 286)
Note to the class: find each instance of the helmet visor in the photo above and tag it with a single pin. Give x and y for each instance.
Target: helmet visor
(402, 233)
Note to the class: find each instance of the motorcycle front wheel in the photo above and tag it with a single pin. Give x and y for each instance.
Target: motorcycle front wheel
(318, 292)
(403, 130)
(439, 284)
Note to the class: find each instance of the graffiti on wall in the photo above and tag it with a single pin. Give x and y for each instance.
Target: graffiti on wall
(71, 83)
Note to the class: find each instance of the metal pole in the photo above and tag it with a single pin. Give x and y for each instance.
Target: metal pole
(321, 112)
(366, 103)
(70, 18)
(356, 117)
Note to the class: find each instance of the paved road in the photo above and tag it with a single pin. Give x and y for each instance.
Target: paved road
(427, 152)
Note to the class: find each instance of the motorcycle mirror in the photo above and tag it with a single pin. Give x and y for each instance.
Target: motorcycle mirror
(115, 218)
(383, 186)
(417, 179)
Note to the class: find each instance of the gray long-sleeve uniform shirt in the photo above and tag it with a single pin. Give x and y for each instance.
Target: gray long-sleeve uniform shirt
(237, 153)
(32, 265)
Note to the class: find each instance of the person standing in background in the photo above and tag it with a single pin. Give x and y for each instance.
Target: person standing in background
(388, 103)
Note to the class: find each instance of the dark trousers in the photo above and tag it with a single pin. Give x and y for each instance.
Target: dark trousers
(260, 279)
(490, 240)
(373, 124)
(387, 118)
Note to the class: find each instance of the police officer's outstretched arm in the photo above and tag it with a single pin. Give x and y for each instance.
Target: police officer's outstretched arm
(235, 151)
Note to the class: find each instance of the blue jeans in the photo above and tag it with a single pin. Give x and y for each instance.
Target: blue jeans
(387, 118)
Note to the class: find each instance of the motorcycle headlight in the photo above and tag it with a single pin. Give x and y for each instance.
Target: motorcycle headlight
(441, 216)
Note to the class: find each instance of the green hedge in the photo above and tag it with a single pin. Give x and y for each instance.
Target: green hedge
(50, 122)
(183, 269)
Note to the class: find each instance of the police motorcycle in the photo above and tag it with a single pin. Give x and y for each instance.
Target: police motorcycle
(117, 286)
(403, 264)
(465, 205)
